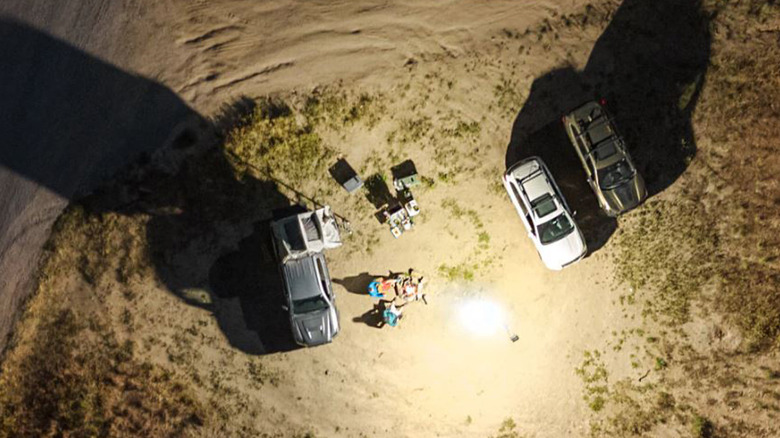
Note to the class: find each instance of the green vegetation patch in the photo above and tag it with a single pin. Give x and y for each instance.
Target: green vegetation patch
(458, 212)
(478, 259)
(674, 251)
(667, 248)
(508, 97)
(272, 140)
(508, 429)
(594, 376)
(411, 130)
(335, 108)
(461, 272)
(76, 379)
(463, 130)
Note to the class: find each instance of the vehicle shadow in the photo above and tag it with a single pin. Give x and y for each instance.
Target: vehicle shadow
(649, 64)
(341, 172)
(403, 170)
(250, 299)
(209, 232)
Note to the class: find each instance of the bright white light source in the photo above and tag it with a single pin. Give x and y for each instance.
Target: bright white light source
(481, 317)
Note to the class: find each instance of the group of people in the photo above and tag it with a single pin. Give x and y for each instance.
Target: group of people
(396, 291)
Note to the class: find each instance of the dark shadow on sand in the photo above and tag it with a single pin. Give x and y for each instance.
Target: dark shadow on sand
(377, 191)
(649, 64)
(69, 121)
(373, 317)
(118, 142)
(248, 288)
(209, 231)
(357, 284)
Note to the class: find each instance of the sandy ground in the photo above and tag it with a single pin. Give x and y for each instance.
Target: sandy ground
(206, 54)
(428, 377)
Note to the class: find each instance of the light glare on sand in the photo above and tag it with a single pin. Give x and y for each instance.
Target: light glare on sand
(481, 317)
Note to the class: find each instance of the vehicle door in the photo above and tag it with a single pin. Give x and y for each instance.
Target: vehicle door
(624, 150)
(324, 277)
(326, 285)
(287, 305)
(590, 170)
(580, 144)
(525, 214)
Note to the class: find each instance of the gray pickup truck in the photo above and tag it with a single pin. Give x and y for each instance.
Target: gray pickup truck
(299, 241)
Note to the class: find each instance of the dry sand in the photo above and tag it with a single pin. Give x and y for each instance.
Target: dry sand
(428, 377)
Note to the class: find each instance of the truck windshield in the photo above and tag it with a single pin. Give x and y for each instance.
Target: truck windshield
(615, 175)
(311, 304)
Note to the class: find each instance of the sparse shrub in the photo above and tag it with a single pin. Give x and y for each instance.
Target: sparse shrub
(446, 177)
(73, 381)
(508, 429)
(672, 260)
(484, 239)
(702, 427)
(278, 145)
(464, 130)
(335, 109)
(665, 401)
(495, 187)
(458, 212)
(461, 272)
(427, 182)
(261, 374)
(597, 403)
(508, 98)
(103, 244)
(411, 130)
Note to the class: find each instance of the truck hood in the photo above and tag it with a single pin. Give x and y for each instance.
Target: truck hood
(315, 328)
(625, 196)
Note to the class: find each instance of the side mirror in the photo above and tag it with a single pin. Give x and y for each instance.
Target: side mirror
(574, 213)
(285, 308)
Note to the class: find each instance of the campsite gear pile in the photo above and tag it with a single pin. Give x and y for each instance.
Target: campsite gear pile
(400, 215)
(398, 211)
(399, 219)
(404, 287)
